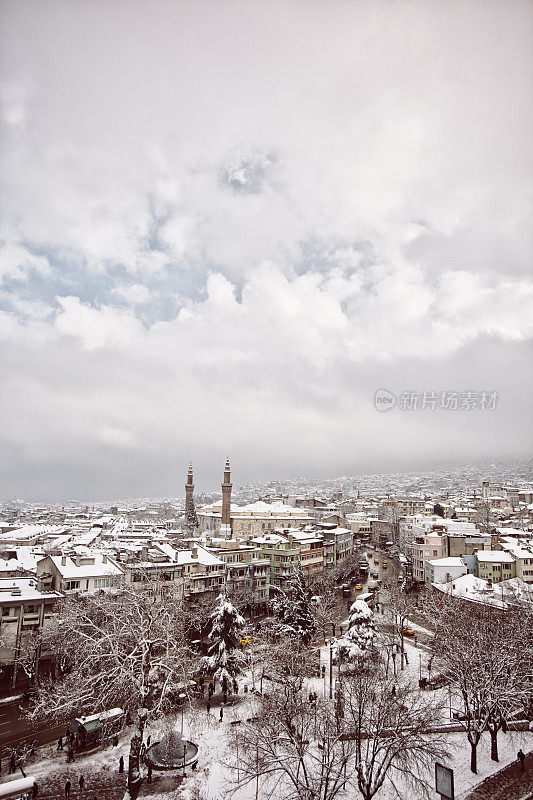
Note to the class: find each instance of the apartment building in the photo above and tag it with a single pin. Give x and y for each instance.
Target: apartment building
(495, 565)
(79, 573)
(24, 611)
(283, 554)
(247, 573)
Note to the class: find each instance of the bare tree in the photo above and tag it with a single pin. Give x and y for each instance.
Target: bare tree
(487, 654)
(375, 733)
(397, 608)
(391, 725)
(124, 649)
(296, 746)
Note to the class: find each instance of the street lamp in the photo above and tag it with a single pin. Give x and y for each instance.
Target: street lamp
(182, 696)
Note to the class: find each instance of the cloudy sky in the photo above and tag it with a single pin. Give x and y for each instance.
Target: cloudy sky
(226, 224)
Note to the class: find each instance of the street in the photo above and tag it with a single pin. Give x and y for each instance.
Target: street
(15, 729)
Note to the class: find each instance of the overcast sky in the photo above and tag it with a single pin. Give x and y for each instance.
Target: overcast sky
(227, 224)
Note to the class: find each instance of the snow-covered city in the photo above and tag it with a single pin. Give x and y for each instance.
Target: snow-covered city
(266, 400)
(300, 645)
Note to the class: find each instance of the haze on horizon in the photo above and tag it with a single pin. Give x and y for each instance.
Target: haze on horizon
(226, 225)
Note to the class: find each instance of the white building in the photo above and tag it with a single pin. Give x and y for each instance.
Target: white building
(80, 573)
(444, 570)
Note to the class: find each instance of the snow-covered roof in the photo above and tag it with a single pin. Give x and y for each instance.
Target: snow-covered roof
(495, 556)
(467, 586)
(204, 557)
(447, 562)
(22, 589)
(87, 567)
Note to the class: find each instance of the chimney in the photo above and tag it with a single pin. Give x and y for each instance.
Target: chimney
(63, 561)
(104, 559)
(194, 552)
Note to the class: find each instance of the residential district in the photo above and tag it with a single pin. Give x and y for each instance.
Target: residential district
(362, 559)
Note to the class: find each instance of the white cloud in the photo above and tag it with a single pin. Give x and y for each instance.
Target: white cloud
(134, 293)
(97, 327)
(296, 211)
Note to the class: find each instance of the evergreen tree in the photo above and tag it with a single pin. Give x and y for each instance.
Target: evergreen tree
(295, 613)
(191, 517)
(224, 660)
(358, 639)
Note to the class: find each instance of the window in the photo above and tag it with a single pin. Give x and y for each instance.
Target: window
(70, 585)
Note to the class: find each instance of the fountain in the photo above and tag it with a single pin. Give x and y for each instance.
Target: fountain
(172, 752)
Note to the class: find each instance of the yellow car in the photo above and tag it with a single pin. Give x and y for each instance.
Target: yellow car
(358, 587)
(385, 564)
(408, 632)
(376, 561)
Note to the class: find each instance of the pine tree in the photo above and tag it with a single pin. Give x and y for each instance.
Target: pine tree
(295, 613)
(224, 660)
(191, 517)
(359, 638)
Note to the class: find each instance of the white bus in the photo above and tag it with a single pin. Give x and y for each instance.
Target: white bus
(19, 789)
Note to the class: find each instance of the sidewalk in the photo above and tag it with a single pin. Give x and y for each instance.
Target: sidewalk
(507, 784)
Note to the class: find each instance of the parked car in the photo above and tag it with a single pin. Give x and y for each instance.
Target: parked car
(358, 587)
(408, 632)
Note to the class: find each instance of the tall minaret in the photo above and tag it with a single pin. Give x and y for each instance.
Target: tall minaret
(189, 489)
(225, 528)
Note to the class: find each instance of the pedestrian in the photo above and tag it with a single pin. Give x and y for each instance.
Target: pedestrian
(0, 765)
(70, 755)
(521, 756)
(60, 743)
(115, 740)
(34, 791)
(121, 764)
(221, 714)
(208, 706)
(148, 741)
(20, 764)
(12, 762)
(67, 789)
(81, 783)
(149, 773)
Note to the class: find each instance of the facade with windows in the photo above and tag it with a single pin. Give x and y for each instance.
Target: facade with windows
(495, 565)
(76, 574)
(24, 611)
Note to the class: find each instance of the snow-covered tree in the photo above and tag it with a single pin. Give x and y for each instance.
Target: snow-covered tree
(225, 660)
(295, 611)
(391, 726)
(359, 638)
(487, 654)
(191, 517)
(126, 649)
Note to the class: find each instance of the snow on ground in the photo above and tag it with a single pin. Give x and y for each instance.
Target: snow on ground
(214, 774)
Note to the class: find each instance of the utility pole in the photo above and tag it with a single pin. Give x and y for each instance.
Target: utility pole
(330, 670)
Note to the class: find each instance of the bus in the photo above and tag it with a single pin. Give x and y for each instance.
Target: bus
(19, 789)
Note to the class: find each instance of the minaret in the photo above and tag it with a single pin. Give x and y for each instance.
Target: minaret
(189, 489)
(225, 528)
